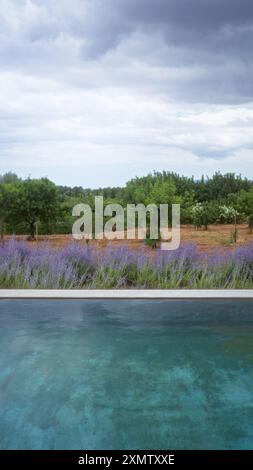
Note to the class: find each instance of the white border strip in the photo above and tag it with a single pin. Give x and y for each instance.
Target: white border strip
(126, 294)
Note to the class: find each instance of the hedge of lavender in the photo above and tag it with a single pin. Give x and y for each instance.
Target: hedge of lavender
(79, 267)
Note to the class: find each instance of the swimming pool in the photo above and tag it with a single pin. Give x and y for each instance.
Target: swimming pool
(126, 374)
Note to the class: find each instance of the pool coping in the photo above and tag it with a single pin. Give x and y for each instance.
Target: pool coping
(126, 294)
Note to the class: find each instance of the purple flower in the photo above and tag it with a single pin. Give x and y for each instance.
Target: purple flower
(117, 266)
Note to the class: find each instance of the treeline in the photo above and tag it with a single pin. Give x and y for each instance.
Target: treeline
(26, 204)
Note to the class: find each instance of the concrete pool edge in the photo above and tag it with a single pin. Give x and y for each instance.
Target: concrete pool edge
(126, 294)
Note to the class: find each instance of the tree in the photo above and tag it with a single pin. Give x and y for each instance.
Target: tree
(202, 215)
(187, 203)
(163, 192)
(8, 205)
(38, 202)
(220, 187)
(244, 205)
(9, 178)
(227, 215)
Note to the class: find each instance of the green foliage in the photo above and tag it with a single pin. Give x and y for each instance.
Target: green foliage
(203, 214)
(244, 203)
(37, 202)
(162, 192)
(187, 202)
(9, 178)
(220, 187)
(24, 202)
(8, 205)
(27, 202)
(227, 215)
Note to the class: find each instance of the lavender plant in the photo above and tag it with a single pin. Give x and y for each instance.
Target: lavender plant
(78, 266)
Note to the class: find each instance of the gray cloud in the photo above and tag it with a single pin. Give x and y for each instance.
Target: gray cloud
(140, 80)
(209, 42)
(214, 35)
(219, 26)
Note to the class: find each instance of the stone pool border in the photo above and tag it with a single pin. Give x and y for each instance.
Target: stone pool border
(126, 294)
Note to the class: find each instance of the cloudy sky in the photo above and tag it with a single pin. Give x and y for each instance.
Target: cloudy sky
(95, 92)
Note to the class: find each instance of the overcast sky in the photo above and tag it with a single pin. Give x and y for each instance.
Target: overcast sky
(95, 92)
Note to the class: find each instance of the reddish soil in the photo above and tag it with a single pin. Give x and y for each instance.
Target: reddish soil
(217, 236)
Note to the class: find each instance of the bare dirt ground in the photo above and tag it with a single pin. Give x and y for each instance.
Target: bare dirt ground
(216, 237)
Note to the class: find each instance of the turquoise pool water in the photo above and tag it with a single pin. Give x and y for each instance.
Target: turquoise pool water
(126, 374)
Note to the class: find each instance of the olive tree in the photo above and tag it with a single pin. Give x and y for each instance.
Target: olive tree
(200, 215)
(227, 215)
(38, 202)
